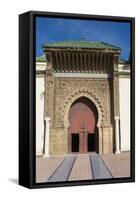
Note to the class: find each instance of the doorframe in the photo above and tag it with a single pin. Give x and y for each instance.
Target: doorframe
(100, 111)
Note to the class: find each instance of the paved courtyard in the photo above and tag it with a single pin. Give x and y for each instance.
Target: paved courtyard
(82, 167)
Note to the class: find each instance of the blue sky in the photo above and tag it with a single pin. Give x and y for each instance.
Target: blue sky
(58, 29)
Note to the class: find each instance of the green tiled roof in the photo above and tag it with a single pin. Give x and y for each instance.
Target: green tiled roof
(81, 44)
(41, 58)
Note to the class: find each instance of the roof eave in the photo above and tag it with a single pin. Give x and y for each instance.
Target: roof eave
(79, 48)
(83, 50)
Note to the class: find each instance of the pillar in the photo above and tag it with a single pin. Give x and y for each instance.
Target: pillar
(47, 131)
(49, 89)
(116, 107)
(81, 144)
(100, 150)
(117, 137)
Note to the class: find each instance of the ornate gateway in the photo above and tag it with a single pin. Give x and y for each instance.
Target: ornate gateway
(81, 97)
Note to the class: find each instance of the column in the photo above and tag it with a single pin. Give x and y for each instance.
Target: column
(81, 142)
(117, 138)
(116, 107)
(100, 150)
(85, 143)
(46, 136)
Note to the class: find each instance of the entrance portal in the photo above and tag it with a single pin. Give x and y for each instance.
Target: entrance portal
(83, 117)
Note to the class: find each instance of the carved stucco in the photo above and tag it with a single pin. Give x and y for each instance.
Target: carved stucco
(49, 94)
(116, 95)
(66, 91)
(116, 86)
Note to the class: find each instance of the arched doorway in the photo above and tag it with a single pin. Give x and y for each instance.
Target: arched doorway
(83, 131)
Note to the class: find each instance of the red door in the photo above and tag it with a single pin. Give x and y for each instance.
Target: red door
(82, 124)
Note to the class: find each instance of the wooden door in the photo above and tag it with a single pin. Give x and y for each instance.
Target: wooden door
(82, 121)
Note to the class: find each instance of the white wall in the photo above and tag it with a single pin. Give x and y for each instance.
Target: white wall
(39, 113)
(124, 88)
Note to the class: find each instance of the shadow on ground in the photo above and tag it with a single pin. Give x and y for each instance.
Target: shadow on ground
(13, 180)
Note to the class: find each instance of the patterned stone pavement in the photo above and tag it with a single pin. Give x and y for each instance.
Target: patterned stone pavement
(63, 171)
(46, 166)
(82, 167)
(99, 169)
(118, 164)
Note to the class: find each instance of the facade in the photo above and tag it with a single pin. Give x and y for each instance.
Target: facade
(82, 99)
